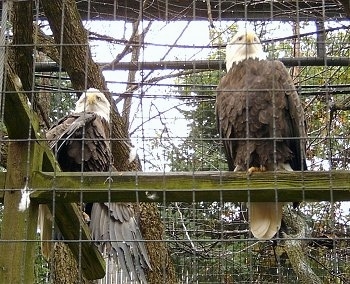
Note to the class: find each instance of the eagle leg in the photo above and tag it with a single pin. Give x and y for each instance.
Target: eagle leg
(84, 214)
(251, 170)
(86, 217)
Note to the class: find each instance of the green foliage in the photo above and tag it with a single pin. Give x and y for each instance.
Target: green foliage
(61, 105)
(328, 128)
(41, 268)
(203, 237)
(199, 150)
(56, 86)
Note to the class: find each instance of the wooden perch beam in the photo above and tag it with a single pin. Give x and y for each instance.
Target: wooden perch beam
(189, 187)
(17, 225)
(69, 219)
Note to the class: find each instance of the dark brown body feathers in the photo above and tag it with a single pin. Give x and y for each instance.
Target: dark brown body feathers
(257, 99)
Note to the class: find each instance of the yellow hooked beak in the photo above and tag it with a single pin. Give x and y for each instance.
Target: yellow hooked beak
(91, 98)
(250, 37)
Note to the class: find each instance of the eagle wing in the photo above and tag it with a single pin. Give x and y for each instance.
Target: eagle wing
(116, 221)
(295, 119)
(80, 142)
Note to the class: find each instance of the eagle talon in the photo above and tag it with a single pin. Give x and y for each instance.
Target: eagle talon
(251, 170)
(86, 218)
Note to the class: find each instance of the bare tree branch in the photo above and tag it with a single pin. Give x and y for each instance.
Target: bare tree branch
(132, 73)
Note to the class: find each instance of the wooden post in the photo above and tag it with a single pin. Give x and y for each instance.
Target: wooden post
(18, 234)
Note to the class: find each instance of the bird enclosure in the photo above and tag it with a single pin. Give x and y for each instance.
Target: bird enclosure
(160, 202)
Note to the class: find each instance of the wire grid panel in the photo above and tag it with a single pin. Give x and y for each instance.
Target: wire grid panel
(166, 103)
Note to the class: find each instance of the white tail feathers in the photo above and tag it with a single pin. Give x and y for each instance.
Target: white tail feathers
(265, 219)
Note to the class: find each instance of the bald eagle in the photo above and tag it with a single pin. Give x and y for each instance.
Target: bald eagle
(81, 143)
(261, 122)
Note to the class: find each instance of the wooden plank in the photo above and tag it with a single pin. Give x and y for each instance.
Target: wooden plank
(188, 187)
(18, 232)
(26, 121)
(16, 103)
(76, 233)
(17, 226)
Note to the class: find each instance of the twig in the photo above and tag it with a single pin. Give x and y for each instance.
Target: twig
(156, 79)
(154, 116)
(184, 226)
(325, 268)
(210, 16)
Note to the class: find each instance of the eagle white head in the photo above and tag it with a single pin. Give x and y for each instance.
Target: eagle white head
(245, 44)
(94, 101)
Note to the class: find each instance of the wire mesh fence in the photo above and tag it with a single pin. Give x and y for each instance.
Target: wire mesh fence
(111, 121)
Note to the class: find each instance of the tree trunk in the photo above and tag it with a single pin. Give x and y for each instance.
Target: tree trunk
(64, 268)
(22, 21)
(135, 54)
(152, 228)
(72, 44)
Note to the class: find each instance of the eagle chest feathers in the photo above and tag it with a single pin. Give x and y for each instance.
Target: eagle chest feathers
(252, 102)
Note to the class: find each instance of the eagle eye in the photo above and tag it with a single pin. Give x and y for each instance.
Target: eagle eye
(240, 38)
